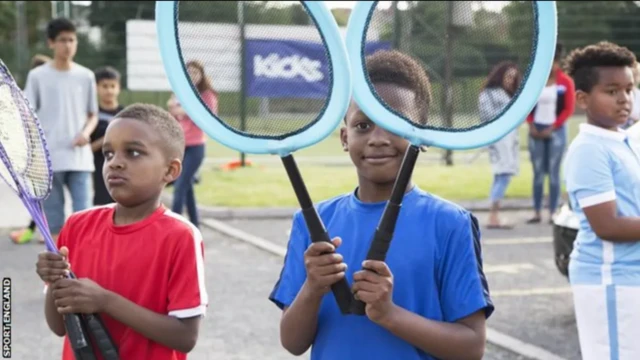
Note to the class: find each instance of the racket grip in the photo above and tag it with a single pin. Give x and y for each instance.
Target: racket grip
(77, 338)
(384, 232)
(102, 338)
(379, 247)
(317, 231)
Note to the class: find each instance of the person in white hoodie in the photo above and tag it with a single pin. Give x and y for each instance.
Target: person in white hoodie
(504, 154)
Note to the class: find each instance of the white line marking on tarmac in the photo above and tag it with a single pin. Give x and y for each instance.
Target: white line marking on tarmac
(519, 346)
(531, 292)
(518, 241)
(508, 268)
(248, 238)
(493, 336)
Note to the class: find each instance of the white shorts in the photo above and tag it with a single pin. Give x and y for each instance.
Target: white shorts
(608, 319)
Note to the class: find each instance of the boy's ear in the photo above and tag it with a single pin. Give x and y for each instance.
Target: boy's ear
(581, 99)
(343, 139)
(173, 171)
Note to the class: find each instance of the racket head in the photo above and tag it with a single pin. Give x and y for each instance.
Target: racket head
(24, 154)
(333, 112)
(543, 52)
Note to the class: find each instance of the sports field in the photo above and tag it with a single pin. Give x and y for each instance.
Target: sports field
(327, 171)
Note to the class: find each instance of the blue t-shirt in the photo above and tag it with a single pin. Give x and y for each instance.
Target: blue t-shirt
(435, 259)
(603, 166)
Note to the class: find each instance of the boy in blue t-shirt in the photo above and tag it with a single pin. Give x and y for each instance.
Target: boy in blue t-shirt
(602, 170)
(429, 299)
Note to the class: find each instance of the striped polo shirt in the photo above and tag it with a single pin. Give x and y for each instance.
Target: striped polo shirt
(601, 166)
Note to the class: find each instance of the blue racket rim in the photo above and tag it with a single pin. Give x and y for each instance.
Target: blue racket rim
(334, 111)
(545, 21)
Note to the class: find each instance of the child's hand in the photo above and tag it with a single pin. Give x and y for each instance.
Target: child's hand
(81, 140)
(374, 287)
(79, 296)
(51, 266)
(324, 267)
(546, 133)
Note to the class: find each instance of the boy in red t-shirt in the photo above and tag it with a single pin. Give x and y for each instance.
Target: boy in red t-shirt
(139, 265)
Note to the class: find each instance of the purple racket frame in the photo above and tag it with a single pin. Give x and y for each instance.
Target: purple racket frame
(75, 329)
(30, 201)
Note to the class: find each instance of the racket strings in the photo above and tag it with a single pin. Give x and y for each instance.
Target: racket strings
(23, 144)
(458, 44)
(38, 174)
(12, 136)
(287, 68)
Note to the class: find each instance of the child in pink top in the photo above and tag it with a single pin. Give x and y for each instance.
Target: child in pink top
(194, 142)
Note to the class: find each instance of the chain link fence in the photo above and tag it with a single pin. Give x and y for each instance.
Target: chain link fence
(106, 35)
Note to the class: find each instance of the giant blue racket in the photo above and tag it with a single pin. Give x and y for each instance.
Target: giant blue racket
(458, 43)
(25, 166)
(287, 102)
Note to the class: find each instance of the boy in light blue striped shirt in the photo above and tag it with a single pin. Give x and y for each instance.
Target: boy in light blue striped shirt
(602, 170)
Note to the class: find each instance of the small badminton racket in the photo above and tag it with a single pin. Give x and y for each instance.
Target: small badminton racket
(458, 43)
(26, 168)
(263, 119)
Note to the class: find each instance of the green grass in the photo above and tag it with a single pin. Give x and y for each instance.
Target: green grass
(328, 147)
(266, 183)
(269, 186)
(331, 146)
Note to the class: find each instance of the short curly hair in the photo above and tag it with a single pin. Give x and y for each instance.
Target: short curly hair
(395, 67)
(162, 123)
(582, 63)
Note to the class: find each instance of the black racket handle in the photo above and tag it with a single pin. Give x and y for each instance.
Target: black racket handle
(77, 325)
(80, 342)
(384, 232)
(341, 290)
(77, 334)
(102, 338)
(317, 231)
(379, 247)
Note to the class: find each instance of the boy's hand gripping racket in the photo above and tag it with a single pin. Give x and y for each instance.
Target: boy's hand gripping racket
(263, 119)
(26, 168)
(458, 42)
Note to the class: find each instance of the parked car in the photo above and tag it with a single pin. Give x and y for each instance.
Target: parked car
(566, 223)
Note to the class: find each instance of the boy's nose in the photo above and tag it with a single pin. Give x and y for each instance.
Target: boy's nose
(379, 136)
(116, 162)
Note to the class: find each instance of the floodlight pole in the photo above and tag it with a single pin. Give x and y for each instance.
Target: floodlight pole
(22, 44)
(243, 75)
(397, 28)
(447, 90)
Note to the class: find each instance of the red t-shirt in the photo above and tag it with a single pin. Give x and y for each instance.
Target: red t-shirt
(157, 263)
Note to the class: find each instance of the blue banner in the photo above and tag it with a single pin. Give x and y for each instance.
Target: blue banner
(290, 68)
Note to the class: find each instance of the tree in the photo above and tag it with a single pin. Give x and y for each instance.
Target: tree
(37, 14)
(580, 23)
(111, 17)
